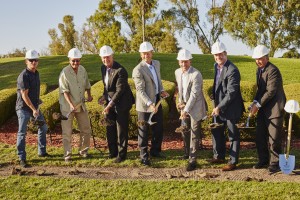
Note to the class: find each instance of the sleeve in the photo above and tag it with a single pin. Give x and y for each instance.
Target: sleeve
(195, 92)
(23, 82)
(63, 83)
(140, 85)
(120, 84)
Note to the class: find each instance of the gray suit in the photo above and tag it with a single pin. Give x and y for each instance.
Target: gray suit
(194, 106)
(228, 98)
(270, 95)
(145, 93)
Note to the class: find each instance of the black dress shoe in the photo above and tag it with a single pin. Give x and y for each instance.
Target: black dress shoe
(119, 159)
(260, 165)
(191, 166)
(44, 155)
(145, 162)
(273, 168)
(23, 163)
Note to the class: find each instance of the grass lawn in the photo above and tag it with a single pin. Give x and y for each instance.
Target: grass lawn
(50, 67)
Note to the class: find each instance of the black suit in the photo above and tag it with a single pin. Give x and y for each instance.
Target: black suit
(118, 91)
(270, 95)
(228, 98)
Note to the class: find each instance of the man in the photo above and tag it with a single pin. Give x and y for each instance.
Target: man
(149, 90)
(191, 102)
(27, 106)
(228, 107)
(118, 100)
(269, 104)
(73, 82)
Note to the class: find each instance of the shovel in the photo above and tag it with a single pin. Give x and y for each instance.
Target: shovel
(286, 161)
(214, 124)
(59, 116)
(150, 117)
(245, 125)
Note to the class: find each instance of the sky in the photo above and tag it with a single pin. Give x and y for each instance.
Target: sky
(25, 23)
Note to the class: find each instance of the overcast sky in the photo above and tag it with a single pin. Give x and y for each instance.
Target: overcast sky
(25, 23)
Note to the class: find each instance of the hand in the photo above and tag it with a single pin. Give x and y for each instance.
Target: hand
(183, 115)
(35, 113)
(216, 111)
(180, 106)
(153, 108)
(90, 98)
(101, 100)
(250, 106)
(164, 94)
(72, 108)
(254, 109)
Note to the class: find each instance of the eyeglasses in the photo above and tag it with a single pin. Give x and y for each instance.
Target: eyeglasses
(73, 61)
(33, 60)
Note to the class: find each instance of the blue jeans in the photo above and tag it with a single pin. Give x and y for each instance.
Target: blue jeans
(23, 119)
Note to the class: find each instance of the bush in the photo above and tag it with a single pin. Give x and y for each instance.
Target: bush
(8, 99)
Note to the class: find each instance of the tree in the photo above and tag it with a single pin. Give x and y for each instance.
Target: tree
(187, 15)
(68, 40)
(274, 23)
(106, 27)
(293, 53)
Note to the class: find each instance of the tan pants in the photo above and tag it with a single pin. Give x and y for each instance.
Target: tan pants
(84, 128)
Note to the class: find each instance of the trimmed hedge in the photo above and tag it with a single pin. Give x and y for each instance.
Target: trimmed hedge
(8, 99)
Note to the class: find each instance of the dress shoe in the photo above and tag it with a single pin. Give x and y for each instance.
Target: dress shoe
(229, 167)
(273, 168)
(260, 165)
(145, 162)
(23, 163)
(119, 159)
(216, 161)
(44, 155)
(191, 166)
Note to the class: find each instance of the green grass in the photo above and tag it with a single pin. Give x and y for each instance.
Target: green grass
(15, 187)
(51, 66)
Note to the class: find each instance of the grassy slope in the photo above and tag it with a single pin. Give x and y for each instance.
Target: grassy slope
(51, 66)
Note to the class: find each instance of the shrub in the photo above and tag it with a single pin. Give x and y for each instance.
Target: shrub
(8, 99)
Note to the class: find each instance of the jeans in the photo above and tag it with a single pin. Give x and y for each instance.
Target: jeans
(23, 119)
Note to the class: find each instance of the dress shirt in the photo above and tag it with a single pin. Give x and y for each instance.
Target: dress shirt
(153, 72)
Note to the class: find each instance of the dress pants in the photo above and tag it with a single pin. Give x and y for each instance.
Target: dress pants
(219, 141)
(191, 138)
(84, 128)
(156, 131)
(117, 134)
(268, 134)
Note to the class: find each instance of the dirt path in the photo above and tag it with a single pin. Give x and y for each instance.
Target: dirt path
(148, 173)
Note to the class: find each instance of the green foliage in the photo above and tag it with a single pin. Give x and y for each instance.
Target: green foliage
(8, 99)
(293, 53)
(273, 23)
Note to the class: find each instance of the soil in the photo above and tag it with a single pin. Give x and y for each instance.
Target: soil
(171, 140)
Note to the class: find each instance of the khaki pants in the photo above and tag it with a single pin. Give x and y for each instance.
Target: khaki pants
(84, 128)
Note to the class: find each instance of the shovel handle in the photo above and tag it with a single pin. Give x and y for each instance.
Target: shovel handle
(289, 136)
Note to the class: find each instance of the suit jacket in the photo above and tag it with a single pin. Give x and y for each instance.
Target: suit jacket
(195, 102)
(118, 88)
(270, 94)
(145, 85)
(227, 92)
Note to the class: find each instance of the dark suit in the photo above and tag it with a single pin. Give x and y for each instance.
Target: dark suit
(228, 98)
(270, 95)
(118, 91)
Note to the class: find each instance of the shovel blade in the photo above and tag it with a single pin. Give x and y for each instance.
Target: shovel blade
(151, 123)
(286, 165)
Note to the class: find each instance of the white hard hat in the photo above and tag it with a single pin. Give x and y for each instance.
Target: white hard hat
(292, 106)
(260, 51)
(218, 47)
(106, 51)
(74, 53)
(32, 54)
(145, 47)
(184, 54)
